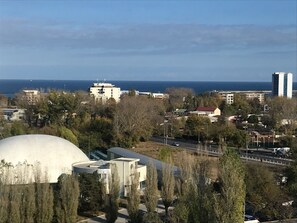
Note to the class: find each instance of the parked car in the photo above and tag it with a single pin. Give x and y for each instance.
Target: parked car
(175, 144)
(250, 219)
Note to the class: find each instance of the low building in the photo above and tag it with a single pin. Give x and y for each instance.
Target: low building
(126, 168)
(207, 111)
(104, 91)
(228, 96)
(13, 114)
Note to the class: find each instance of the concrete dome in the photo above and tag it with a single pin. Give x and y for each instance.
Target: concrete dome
(52, 154)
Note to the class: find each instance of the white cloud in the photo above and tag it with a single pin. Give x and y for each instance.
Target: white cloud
(144, 39)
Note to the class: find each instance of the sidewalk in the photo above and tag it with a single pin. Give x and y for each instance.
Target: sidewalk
(122, 214)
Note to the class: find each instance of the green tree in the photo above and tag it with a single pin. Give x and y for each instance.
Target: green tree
(263, 192)
(134, 200)
(111, 202)
(28, 208)
(92, 192)
(151, 193)
(67, 198)
(197, 127)
(229, 202)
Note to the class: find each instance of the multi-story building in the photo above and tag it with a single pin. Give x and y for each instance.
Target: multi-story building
(31, 96)
(104, 91)
(127, 169)
(282, 84)
(228, 96)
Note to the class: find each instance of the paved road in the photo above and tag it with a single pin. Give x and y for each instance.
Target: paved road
(259, 155)
(123, 214)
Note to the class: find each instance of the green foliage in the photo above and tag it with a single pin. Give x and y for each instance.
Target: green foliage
(151, 193)
(151, 217)
(134, 200)
(92, 192)
(18, 128)
(263, 192)
(67, 193)
(197, 126)
(231, 197)
(68, 135)
(253, 119)
(112, 199)
(165, 153)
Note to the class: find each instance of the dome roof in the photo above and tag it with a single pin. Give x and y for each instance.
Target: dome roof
(52, 154)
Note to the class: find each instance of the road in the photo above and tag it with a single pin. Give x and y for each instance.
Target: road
(258, 155)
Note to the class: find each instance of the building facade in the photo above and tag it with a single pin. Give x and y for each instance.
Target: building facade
(282, 84)
(104, 91)
(125, 167)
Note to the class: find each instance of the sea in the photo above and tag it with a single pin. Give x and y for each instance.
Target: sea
(10, 87)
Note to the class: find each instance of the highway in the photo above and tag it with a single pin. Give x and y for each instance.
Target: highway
(258, 155)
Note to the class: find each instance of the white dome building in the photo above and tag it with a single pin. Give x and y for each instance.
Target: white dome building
(51, 155)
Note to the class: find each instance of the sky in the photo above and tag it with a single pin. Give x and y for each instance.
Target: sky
(162, 40)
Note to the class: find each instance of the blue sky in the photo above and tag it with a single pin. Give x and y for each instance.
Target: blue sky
(214, 40)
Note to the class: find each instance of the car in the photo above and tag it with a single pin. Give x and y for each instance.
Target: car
(250, 219)
(175, 144)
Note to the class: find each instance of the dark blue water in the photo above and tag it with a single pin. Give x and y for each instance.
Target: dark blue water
(10, 87)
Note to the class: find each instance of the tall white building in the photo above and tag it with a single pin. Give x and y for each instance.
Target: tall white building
(105, 91)
(282, 84)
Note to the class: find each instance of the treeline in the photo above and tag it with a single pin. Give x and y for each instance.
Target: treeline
(89, 124)
(40, 202)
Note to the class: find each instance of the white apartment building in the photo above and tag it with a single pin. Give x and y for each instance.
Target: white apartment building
(282, 84)
(104, 91)
(31, 96)
(228, 97)
(126, 169)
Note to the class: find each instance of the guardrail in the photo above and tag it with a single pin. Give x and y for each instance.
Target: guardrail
(263, 159)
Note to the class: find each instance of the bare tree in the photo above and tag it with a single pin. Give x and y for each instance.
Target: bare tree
(111, 202)
(67, 198)
(135, 118)
(168, 182)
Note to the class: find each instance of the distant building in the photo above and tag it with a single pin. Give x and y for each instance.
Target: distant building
(207, 111)
(282, 84)
(31, 96)
(228, 96)
(13, 114)
(104, 91)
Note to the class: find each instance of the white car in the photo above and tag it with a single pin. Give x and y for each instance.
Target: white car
(250, 219)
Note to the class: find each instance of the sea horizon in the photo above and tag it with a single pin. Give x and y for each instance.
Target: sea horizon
(9, 87)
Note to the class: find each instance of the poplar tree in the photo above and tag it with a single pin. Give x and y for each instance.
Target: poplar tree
(134, 199)
(111, 202)
(27, 208)
(44, 197)
(67, 198)
(168, 183)
(229, 202)
(151, 193)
